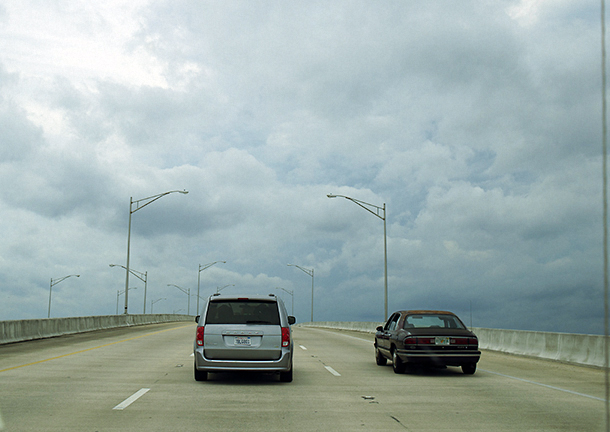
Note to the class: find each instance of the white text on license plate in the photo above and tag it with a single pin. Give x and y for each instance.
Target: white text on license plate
(243, 341)
(442, 340)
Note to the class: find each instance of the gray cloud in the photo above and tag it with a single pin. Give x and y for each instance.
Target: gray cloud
(478, 126)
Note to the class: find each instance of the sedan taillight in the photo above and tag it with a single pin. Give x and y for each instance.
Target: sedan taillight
(413, 341)
(465, 341)
(199, 336)
(285, 336)
(410, 340)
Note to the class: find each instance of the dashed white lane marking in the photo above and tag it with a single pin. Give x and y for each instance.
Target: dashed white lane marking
(131, 399)
(332, 371)
(303, 348)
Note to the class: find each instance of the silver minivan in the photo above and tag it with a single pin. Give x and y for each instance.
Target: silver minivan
(243, 333)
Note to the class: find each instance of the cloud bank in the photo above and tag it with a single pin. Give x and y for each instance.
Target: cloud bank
(477, 123)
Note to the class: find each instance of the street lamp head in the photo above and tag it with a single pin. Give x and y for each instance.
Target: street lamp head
(331, 196)
(184, 191)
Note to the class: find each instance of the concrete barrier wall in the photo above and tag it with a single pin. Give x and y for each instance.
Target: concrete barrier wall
(24, 330)
(365, 327)
(565, 347)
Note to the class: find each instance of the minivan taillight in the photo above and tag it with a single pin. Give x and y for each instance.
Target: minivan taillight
(285, 336)
(199, 336)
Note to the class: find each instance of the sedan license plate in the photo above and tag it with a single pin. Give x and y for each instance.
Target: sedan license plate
(442, 340)
(242, 341)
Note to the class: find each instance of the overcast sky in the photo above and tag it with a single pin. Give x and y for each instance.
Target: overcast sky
(477, 123)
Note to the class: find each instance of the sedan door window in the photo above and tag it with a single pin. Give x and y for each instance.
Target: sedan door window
(393, 322)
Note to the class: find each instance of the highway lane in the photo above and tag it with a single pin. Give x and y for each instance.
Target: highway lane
(141, 378)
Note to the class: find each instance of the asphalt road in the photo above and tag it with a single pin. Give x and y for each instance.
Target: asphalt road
(141, 379)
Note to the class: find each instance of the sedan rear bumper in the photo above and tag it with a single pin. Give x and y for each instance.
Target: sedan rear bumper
(451, 358)
(283, 364)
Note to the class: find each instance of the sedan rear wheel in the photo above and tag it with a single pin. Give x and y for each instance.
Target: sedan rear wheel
(397, 364)
(469, 368)
(379, 358)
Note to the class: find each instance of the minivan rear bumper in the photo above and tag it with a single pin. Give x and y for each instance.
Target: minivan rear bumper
(283, 364)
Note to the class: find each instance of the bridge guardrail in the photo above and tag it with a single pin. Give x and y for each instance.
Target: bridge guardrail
(566, 347)
(24, 330)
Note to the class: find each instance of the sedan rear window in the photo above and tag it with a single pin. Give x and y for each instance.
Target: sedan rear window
(243, 312)
(432, 321)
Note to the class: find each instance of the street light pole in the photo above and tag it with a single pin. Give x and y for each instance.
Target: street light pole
(139, 205)
(118, 293)
(202, 268)
(188, 293)
(368, 207)
(152, 303)
(310, 273)
(142, 276)
(218, 289)
(291, 294)
(55, 282)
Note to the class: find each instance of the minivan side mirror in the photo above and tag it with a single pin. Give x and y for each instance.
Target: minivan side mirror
(291, 320)
(197, 319)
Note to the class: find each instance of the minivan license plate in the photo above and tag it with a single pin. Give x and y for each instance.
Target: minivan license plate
(243, 341)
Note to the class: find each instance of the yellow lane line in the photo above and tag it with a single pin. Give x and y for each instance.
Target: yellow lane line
(91, 349)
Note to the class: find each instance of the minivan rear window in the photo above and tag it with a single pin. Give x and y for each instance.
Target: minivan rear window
(242, 312)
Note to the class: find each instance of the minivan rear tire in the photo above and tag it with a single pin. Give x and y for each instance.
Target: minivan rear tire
(286, 376)
(200, 375)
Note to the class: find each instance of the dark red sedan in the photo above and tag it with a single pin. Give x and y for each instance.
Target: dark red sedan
(426, 337)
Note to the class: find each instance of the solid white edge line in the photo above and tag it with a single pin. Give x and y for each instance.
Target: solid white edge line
(544, 385)
(131, 399)
(332, 371)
